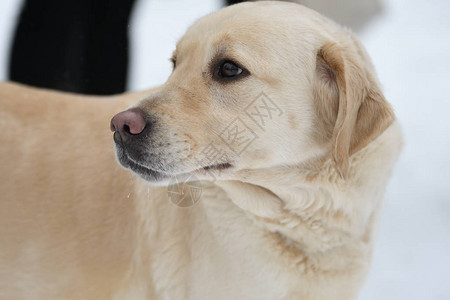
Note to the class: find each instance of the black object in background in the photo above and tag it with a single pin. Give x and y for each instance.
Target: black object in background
(72, 45)
(231, 2)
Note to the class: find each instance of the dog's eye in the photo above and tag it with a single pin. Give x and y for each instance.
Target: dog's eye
(229, 69)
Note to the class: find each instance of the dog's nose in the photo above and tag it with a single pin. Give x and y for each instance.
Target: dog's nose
(127, 123)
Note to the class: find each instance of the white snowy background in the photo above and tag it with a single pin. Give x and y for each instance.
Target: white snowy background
(409, 43)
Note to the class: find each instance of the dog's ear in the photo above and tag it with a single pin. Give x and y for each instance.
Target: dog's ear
(348, 100)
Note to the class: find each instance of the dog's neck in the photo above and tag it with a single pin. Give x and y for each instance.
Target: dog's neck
(320, 210)
(301, 213)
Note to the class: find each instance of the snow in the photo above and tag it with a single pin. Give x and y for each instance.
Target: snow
(8, 14)
(410, 47)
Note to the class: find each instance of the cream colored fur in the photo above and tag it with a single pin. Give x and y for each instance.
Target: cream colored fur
(293, 218)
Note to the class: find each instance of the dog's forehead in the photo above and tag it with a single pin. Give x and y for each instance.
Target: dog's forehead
(233, 19)
(251, 22)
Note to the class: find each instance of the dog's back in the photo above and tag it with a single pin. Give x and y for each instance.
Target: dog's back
(56, 158)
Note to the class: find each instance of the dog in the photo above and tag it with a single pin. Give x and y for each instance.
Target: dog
(257, 171)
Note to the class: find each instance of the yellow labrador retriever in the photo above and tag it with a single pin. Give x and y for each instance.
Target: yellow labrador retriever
(272, 123)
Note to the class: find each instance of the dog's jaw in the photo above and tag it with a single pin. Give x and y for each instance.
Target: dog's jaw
(144, 172)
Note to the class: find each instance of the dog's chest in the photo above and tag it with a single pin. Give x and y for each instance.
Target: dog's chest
(212, 250)
(230, 258)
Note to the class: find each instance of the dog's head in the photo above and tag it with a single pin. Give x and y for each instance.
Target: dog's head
(255, 86)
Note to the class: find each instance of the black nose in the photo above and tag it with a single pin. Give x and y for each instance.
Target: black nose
(128, 123)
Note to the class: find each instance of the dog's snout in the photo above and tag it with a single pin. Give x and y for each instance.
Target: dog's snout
(128, 123)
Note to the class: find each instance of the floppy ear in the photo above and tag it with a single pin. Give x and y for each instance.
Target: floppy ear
(348, 96)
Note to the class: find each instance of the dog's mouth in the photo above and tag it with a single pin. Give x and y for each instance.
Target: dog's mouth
(219, 167)
(142, 170)
(150, 174)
